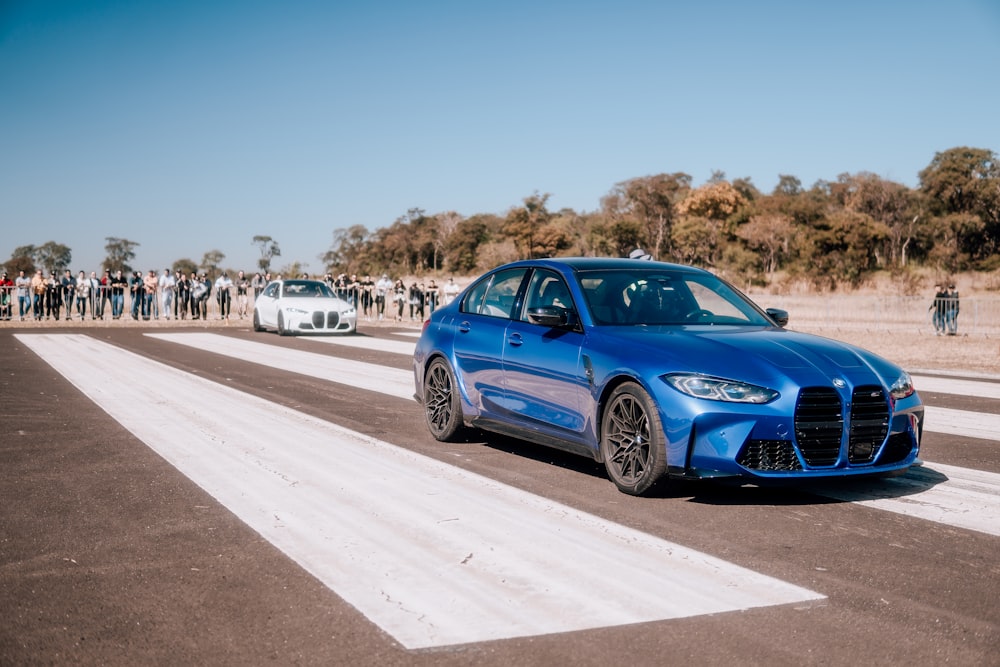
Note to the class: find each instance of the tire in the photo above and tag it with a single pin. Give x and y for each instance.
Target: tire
(442, 402)
(256, 321)
(282, 331)
(632, 440)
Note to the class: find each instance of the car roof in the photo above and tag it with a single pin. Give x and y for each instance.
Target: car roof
(598, 263)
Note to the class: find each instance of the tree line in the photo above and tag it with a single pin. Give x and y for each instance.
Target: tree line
(832, 234)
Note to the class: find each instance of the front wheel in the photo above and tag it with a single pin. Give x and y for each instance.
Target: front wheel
(632, 441)
(442, 403)
(282, 330)
(256, 321)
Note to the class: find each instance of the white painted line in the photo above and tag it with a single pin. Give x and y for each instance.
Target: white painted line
(936, 492)
(358, 374)
(432, 554)
(940, 385)
(366, 343)
(962, 422)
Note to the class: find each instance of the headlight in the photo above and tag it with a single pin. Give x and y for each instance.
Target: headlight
(902, 387)
(719, 389)
(297, 311)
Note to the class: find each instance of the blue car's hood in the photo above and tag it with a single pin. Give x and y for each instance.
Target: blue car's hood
(749, 353)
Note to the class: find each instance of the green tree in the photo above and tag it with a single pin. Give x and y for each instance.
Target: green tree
(186, 266)
(348, 251)
(967, 180)
(210, 262)
(120, 252)
(650, 201)
(21, 259)
(53, 256)
(269, 249)
(523, 222)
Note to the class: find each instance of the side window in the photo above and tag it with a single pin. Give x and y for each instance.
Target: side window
(547, 289)
(494, 296)
(271, 291)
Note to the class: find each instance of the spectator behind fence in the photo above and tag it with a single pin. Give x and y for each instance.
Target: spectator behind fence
(118, 284)
(951, 310)
(938, 307)
(6, 298)
(82, 294)
(242, 294)
(22, 285)
(38, 295)
(166, 284)
(222, 295)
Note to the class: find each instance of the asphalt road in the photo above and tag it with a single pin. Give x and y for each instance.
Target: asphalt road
(222, 497)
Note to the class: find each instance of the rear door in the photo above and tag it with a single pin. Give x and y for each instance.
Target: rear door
(480, 328)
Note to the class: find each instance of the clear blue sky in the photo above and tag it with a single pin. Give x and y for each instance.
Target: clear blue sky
(191, 125)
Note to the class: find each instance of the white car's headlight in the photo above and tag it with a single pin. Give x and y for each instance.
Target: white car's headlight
(297, 311)
(902, 387)
(719, 389)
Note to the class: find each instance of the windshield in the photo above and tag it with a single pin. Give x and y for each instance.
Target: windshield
(306, 288)
(656, 296)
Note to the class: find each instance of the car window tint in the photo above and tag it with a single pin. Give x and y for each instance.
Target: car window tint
(547, 289)
(494, 295)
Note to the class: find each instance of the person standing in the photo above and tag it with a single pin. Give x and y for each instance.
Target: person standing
(166, 284)
(382, 290)
(416, 299)
(118, 284)
(6, 297)
(53, 296)
(951, 310)
(242, 294)
(82, 294)
(149, 285)
(451, 290)
(135, 293)
(68, 286)
(183, 295)
(38, 295)
(938, 309)
(102, 291)
(223, 285)
(22, 285)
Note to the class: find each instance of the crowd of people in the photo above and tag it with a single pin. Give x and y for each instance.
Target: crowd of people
(182, 295)
(386, 298)
(174, 294)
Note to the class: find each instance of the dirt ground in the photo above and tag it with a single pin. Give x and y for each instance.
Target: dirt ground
(975, 354)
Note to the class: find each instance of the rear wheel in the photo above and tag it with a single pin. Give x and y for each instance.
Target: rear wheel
(442, 404)
(632, 441)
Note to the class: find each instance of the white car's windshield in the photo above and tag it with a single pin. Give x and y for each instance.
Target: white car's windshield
(306, 289)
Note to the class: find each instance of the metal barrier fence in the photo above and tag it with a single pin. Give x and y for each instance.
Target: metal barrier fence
(979, 315)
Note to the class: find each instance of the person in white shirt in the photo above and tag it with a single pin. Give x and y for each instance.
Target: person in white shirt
(382, 289)
(222, 294)
(166, 284)
(451, 290)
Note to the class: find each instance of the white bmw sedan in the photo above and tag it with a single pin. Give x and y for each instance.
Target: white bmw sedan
(303, 306)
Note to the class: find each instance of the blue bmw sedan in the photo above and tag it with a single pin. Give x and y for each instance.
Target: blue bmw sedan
(659, 370)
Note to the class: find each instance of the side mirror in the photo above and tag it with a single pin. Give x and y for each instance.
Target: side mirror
(779, 316)
(550, 316)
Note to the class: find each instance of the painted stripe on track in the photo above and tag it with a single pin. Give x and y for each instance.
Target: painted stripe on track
(962, 422)
(940, 385)
(432, 554)
(936, 492)
(358, 374)
(367, 343)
